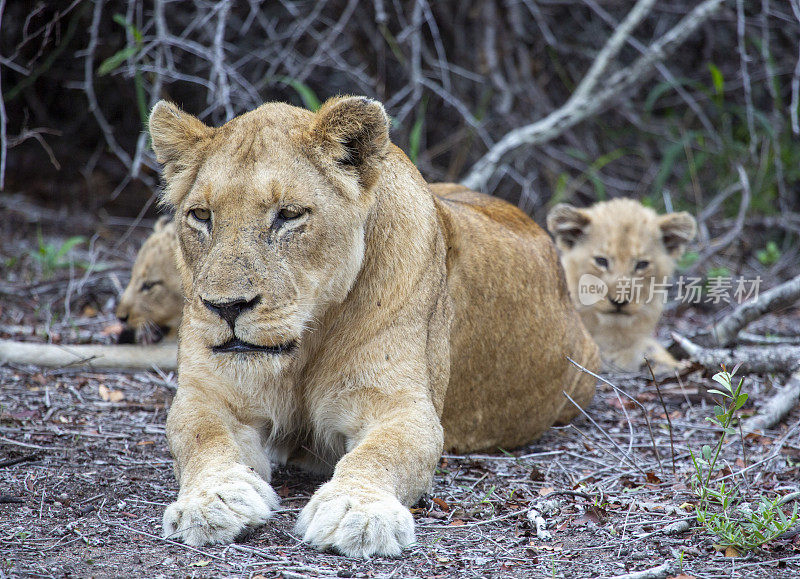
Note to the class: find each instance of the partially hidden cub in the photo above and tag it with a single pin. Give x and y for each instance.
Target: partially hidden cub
(152, 303)
(618, 256)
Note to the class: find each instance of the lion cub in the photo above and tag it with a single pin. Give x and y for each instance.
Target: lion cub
(618, 256)
(151, 305)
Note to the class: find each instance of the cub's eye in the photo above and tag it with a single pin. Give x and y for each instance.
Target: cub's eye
(601, 261)
(642, 264)
(148, 285)
(289, 213)
(202, 215)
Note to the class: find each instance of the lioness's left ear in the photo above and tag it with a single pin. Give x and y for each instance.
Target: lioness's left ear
(352, 132)
(677, 229)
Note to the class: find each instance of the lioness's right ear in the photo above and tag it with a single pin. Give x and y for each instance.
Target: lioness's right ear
(176, 137)
(567, 224)
(352, 134)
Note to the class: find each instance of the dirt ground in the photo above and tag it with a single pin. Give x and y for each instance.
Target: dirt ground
(85, 473)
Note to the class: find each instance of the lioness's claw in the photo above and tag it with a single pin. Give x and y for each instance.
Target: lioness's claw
(356, 526)
(221, 508)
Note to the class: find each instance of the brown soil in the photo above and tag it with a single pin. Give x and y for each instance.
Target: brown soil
(85, 473)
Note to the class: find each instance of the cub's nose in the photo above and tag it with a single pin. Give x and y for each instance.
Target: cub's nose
(618, 303)
(231, 310)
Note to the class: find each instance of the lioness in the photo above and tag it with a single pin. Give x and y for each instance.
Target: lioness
(152, 303)
(629, 250)
(330, 299)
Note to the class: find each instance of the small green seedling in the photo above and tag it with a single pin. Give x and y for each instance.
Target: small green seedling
(722, 510)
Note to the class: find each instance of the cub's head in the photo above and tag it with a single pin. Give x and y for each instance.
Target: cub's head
(151, 304)
(624, 248)
(271, 210)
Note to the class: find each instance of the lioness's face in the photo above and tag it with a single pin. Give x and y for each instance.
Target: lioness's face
(270, 218)
(622, 247)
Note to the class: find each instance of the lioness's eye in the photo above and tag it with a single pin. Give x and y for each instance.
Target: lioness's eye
(643, 264)
(288, 213)
(601, 261)
(200, 214)
(146, 285)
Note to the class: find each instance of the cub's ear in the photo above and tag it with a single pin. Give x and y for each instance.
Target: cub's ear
(677, 229)
(567, 224)
(162, 222)
(176, 135)
(352, 133)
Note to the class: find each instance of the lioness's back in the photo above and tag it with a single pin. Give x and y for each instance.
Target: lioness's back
(509, 295)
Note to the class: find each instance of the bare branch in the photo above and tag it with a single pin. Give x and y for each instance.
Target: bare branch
(725, 331)
(93, 356)
(3, 119)
(776, 407)
(586, 104)
(754, 359)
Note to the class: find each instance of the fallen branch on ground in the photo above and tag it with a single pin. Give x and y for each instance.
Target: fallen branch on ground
(782, 358)
(776, 407)
(653, 573)
(134, 357)
(725, 331)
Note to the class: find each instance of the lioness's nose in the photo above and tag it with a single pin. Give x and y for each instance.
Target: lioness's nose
(229, 311)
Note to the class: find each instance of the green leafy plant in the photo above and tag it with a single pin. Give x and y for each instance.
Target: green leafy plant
(52, 257)
(770, 254)
(307, 95)
(114, 61)
(415, 136)
(722, 510)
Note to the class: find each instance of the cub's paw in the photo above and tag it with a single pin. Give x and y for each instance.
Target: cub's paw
(219, 506)
(355, 522)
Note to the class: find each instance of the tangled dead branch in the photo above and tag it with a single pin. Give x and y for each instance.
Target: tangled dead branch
(586, 100)
(461, 84)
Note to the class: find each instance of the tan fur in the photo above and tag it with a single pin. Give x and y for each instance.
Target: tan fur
(624, 233)
(152, 302)
(387, 293)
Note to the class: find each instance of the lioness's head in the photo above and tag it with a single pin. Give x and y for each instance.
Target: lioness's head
(152, 302)
(271, 210)
(624, 248)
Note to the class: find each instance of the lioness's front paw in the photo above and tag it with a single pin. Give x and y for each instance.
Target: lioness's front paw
(218, 507)
(355, 522)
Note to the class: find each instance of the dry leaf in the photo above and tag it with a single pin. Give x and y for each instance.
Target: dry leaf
(442, 505)
(546, 491)
(652, 478)
(110, 395)
(732, 552)
(112, 329)
(89, 312)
